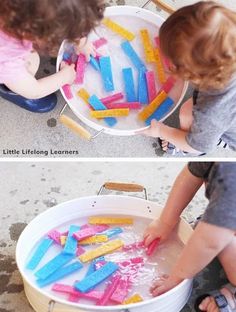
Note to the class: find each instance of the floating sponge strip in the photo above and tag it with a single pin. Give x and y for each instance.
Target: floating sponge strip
(118, 29)
(169, 84)
(102, 250)
(100, 228)
(121, 291)
(55, 235)
(133, 299)
(132, 261)
(71, 242)
(98, 105)
(129, 84)
(160, 67)
(91, 269)
(73, 298)
(166, 61)
(121, 112)
(152, 92)
(161, 111)
(148, 48)
(152, 247)
(130, 105)
(67, 91)
(94, 240)
(53, 265)
(39, 253)
(133, 56)
(110, 289)
(99, 42)
(59, 274)
(134, 246)
(85, 233)
(93, 295)
(94, 63)
(110, 220)
(106, 73)
(80, 251)
(112, 98)
(113, 232)
(63, 239)
(97, 277)
(142, 87)
(83, 94)
(80, 69)
(89, 231)
(67, 57)
(151, 108)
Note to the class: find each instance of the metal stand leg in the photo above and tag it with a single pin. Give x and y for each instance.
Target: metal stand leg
(146, 3)
(51, 306)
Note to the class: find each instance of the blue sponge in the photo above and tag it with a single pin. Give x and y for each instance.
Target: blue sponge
(97, 277)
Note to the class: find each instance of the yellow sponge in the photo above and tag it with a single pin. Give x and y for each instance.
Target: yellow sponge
(102, 250)
(118, 29)
(151, 108)
(133, 299)
(110, 220)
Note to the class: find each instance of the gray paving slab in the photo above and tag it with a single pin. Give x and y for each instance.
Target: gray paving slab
(28, 188)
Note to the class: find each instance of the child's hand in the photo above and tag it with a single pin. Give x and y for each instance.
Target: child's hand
(153, 131)
(69, 73)
(156, 229)
(164, 284)
(85, 47)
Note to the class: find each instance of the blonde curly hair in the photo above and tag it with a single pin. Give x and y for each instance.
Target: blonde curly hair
(200, 41)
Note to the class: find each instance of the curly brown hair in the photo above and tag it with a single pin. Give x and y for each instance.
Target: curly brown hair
(48, 22)
(200, 41)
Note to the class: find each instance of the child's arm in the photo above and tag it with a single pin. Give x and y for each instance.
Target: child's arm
(31, 88)
(205, 244)
(175, 136)
(185, 187)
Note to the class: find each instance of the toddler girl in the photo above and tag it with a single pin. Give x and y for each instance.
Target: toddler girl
(200, 42)
(214, 235)
(27, 26)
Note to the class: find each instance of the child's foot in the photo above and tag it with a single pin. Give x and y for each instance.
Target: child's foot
(218, 301)
(163, 144)
(172, 150)
(43, 105)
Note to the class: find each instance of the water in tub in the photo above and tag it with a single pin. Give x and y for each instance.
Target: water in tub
(93, 82)
(154, 266)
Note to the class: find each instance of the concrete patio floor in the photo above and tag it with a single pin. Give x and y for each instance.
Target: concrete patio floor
(27, 189)
(22, 130)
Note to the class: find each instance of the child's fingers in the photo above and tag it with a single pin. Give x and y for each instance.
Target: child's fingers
(94, 52)
(63, 64)
(156, 285)
(87, 56)
(159, 290)
(149, 239)
(145, 238)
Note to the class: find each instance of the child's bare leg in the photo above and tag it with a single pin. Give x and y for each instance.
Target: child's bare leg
(227, 258)
(185, 117)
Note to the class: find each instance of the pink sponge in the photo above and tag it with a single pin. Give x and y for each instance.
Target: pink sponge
(80, 69)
